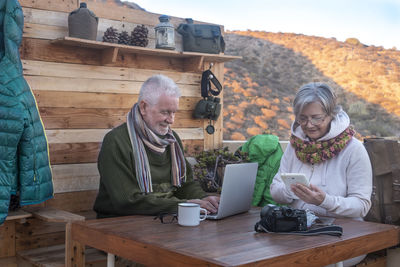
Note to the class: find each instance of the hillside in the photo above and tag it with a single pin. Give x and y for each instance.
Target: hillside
(260, 88)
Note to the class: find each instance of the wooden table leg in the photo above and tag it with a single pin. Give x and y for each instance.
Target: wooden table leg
(74, 251)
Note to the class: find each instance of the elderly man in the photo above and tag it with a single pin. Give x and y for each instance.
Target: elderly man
(141, 162)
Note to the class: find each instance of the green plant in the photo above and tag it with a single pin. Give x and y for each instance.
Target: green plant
(210, 166)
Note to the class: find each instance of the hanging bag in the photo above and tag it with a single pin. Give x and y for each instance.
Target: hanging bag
(203, 38)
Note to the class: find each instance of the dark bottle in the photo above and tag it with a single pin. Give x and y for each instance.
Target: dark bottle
(82, 23)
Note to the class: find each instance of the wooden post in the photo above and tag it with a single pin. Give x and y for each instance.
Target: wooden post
(212, 141)
(74, 251)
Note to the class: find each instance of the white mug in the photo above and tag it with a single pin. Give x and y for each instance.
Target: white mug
(189, 214)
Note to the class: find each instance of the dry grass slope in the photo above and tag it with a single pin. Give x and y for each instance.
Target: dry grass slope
(260, 88)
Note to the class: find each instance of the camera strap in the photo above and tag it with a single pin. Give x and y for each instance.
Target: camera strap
(334, 230)
(206, 79)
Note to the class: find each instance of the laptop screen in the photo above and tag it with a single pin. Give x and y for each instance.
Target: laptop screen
(237, 189)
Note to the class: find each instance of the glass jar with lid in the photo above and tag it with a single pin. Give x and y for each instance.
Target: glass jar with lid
(165, 34)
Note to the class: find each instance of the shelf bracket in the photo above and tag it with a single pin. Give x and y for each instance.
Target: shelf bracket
(193, 64)
(109, 55)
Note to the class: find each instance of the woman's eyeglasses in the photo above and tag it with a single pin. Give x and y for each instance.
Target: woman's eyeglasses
(166, 217)
(317, 120)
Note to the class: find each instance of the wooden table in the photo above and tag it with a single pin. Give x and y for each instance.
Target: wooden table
(228, 242)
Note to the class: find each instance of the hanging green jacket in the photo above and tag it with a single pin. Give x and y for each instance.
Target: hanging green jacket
(24, 160)
(266, 150)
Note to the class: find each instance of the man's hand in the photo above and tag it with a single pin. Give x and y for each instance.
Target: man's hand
(311, 195)
(209, 203)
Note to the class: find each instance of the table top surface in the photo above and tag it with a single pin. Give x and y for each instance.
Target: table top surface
(229, 242)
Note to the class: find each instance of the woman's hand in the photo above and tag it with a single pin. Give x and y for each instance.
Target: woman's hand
(311, 195)
(210, 203)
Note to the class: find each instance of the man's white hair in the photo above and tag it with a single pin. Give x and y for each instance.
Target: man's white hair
(156, 86)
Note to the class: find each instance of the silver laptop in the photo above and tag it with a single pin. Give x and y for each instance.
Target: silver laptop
(237, 190)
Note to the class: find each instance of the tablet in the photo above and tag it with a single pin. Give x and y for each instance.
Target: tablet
(294, 178)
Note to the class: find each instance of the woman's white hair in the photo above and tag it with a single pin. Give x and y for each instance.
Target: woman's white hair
(316, 92)
(156, 86)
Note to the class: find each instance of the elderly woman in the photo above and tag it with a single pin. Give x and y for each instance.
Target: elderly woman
(323, 147)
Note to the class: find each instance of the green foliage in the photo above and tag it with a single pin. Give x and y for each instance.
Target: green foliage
(358, 109)
(379, 128)
(211, 164)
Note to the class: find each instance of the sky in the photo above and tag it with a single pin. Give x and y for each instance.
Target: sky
(372, 22)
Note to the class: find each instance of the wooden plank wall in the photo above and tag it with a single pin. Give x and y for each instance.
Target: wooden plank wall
(80, 100)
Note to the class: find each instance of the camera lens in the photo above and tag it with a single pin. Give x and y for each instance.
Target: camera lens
(287, 212)
(210, 129)
(267, 210)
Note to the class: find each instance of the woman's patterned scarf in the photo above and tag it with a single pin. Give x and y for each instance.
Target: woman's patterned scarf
(319, 151)
(141, 135)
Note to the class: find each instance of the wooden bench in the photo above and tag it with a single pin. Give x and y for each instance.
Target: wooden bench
(36, 236)
(7, 237)
(31, 219)
(54, 256)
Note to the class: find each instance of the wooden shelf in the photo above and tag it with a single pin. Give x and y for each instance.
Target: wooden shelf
(110, 52)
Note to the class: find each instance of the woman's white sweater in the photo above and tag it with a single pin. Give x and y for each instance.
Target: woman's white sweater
(346, 178)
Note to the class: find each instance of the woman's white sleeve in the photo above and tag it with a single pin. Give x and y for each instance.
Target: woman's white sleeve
(359, 187)
(278, 189)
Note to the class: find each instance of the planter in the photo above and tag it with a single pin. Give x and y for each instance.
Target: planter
(210, 167)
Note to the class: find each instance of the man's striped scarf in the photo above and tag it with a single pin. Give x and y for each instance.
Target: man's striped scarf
(140, 135)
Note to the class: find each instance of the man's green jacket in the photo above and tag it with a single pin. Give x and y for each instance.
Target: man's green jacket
(119, 192)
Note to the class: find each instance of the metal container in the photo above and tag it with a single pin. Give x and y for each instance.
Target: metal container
(82, 23)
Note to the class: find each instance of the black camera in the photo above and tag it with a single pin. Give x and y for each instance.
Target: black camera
(282, 219)
(208, 108)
